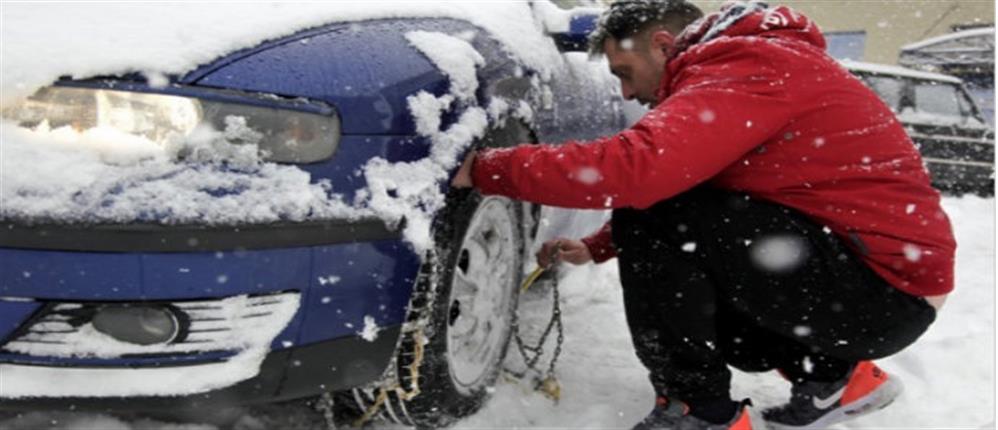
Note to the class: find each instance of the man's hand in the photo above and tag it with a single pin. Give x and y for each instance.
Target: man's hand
(462, 179)
(572, 251)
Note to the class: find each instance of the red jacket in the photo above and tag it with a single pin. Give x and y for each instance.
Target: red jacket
(753, 104)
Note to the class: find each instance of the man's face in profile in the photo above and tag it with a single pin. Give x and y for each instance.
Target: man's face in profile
(638, 62)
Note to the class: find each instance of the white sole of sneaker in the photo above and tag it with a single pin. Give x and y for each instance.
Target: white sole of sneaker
(876, 400)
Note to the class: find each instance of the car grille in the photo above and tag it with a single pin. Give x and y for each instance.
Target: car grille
(230, 324)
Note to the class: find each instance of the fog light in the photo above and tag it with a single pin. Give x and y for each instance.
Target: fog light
(142, 325)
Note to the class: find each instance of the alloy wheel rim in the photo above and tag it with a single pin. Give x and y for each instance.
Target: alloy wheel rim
(478, 315)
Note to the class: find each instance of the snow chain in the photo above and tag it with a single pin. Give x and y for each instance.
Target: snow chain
(416, 323)
(419, 341)
(548, 385)
(325, 406)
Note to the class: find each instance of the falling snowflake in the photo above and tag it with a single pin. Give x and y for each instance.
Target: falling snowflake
(588, 175)
(329, 280)
(912, 253)
(707, 116)
(807, 364)
(780, 253)
(370, 330)
(689, 246)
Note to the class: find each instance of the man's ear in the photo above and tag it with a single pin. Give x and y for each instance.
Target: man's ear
(662, 40)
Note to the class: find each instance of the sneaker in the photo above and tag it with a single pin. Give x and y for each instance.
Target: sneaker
(817, 405)
(675, 415)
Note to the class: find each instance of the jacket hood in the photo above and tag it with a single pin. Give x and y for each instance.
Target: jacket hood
(745, 19)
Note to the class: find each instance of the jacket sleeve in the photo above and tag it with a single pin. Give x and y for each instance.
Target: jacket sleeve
(600, 244)
(720, 109)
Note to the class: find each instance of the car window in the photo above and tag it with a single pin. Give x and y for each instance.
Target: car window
(889, 89)
(968, 107)
(938, 98)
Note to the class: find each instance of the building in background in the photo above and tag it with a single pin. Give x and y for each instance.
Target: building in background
(875, 31)
(871, 30)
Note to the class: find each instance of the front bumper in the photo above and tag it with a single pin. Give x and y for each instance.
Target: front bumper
(284, 375)
(348, 274)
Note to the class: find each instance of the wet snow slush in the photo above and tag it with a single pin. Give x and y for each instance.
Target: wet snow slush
(948, 374)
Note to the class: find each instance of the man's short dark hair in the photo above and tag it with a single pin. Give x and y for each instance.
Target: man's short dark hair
(625, 18)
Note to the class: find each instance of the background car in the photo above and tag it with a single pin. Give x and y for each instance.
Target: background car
(152, 314)
(968, 52)
(942, 119)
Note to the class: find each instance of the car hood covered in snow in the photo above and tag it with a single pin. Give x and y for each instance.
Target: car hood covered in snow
(43, 42)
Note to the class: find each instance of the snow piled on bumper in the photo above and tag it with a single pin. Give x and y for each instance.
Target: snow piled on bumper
(252, 339)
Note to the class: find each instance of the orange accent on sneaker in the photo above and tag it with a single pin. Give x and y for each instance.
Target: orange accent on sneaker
(663, 402)
(865, 378)
(743, 422)
(782, 374)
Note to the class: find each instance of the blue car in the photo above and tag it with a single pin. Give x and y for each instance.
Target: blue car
(156, 315)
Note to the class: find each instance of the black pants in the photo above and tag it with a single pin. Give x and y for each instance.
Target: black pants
(714, 278)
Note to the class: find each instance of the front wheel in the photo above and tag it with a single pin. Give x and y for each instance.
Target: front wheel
(463, 304)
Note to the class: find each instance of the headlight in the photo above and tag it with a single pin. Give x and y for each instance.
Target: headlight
(287, 136)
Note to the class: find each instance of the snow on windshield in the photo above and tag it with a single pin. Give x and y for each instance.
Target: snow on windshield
(100, 175)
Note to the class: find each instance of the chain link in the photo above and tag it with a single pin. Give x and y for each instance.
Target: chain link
(532, 354)
(416, 327)
(325, 406)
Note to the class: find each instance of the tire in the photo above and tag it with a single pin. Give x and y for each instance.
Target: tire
(474, 294)
(451, 383)
(467, 325)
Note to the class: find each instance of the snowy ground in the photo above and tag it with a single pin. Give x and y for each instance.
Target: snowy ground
(949, 374)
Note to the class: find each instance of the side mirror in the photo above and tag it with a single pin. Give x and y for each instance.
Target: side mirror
(576, 39)
(570, 29)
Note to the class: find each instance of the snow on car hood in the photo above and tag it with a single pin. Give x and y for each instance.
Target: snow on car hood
(43, 41)
(105, 176)
(99, 176)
